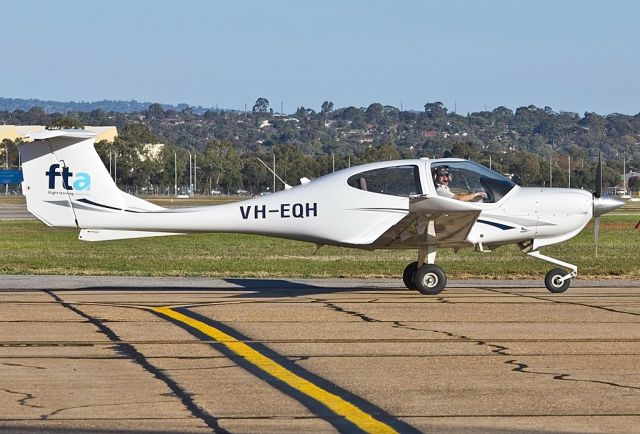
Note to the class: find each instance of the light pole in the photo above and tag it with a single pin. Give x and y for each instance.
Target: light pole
(6, 166)
(20, 168)
(195, 172)
(624, 174)
(190, 174)
(274, 172)
(175, 173)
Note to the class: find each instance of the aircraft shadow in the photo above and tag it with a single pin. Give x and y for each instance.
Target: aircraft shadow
(245, 288)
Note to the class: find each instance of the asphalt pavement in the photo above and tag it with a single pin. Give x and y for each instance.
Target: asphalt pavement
(10, 211)
(117, 354)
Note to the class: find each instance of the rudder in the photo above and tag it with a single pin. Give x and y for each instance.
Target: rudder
(65, 182)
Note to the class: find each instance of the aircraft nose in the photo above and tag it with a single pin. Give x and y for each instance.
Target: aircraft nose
(603, 205)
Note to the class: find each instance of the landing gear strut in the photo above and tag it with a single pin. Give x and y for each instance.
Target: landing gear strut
(558, 279)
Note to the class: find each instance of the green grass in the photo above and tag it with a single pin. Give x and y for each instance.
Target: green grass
(29, 247)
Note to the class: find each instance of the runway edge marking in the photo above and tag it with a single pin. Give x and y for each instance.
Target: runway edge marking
(336, 404)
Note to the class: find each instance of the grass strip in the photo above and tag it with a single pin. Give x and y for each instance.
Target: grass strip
(29, 247)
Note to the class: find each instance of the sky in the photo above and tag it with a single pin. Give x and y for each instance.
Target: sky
(578, 56)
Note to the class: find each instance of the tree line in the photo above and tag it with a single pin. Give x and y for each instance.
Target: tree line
(536, 146)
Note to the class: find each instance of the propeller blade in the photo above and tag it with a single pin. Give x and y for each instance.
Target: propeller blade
(596, 233)
(598, 180)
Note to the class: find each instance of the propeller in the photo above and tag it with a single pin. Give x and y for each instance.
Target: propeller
(601, 205)
(596, 233)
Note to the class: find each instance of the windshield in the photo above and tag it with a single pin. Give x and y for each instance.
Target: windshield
(465, 177)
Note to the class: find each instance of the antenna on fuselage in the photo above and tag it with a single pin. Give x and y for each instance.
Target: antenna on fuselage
(286, 186)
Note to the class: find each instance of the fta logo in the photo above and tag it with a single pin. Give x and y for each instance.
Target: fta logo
(80, 181)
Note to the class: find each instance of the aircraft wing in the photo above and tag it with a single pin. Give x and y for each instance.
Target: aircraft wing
(431, 220)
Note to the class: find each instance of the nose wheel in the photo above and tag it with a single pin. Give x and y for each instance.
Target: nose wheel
(429, 279)
(557, 280)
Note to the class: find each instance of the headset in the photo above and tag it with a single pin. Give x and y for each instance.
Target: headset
(442, 170)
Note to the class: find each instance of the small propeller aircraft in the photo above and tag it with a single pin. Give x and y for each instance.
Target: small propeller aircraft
(386, 205)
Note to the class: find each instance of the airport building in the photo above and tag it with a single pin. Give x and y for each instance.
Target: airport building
(13, 132)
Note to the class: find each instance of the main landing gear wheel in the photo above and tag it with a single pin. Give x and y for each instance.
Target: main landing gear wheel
(407, 275)
(554, 283)
(430, 279)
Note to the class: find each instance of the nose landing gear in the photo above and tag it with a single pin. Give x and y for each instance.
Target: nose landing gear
(558, 279)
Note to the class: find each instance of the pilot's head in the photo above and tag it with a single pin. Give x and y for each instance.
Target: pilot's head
(441, 175)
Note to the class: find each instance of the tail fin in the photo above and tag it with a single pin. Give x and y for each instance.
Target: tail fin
(67, 185)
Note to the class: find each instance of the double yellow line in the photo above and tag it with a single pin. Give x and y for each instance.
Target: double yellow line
(333, 402)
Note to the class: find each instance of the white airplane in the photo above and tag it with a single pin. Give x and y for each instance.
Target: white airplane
(386, 205)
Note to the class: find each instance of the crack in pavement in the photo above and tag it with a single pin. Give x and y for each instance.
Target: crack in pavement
(559, 301)
(520, 366)
(22, 366)
(523, 368)
(23, 401)
(60, 410)
(296, 359)
(358, 315)
(501, 350)
(129, 351)
(204, 368)
(497, 349)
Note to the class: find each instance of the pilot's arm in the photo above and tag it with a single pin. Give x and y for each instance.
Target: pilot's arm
(469, 197)
(444, 191)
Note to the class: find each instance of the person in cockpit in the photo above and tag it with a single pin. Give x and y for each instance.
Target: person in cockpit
(441, 178)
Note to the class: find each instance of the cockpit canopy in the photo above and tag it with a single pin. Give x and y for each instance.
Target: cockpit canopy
(468, 176)
(404, 180)
(393, 180)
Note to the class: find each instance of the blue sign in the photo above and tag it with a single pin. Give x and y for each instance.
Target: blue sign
(11, 176)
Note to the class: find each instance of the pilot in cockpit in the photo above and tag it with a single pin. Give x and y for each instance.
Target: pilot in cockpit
(442, 177)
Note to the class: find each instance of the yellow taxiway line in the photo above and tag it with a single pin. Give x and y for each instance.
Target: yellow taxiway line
(333, 402)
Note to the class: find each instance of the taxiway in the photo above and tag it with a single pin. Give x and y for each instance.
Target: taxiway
(247, 355)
